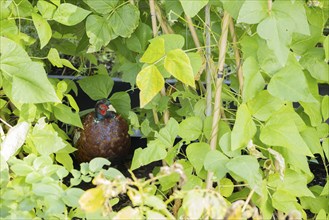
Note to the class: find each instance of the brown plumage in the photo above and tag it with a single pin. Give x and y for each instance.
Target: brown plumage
(105, 134)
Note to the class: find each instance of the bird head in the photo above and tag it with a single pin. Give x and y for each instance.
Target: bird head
(104, 109)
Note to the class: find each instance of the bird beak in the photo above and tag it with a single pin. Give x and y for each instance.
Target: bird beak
(111, 108)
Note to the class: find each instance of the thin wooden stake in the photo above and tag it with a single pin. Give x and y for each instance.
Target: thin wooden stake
(219, 83)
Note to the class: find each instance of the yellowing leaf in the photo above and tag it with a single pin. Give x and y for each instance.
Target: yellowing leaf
(150, 81)
(92, 200)
(155, 51)
(177, 63)
(43, 29)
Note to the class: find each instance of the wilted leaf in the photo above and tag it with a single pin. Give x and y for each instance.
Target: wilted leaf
(14, 139)
(92, 200)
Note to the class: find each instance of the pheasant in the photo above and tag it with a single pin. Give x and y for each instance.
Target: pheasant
(105, 134)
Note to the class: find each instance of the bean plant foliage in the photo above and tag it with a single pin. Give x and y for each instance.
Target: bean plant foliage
(229, 102)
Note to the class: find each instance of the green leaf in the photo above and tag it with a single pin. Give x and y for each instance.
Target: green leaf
(102, 6)
(252, 12)
(69, 14)
(65, 114)
(68, 64)
(121, 103)
(97, 86)
(233, 7)
(313, 110)
(46, 9)
(139, 39)
(168, 134)
(263, 105)
(46, 189)
(178, 64)
(71, 196)
(215, 161)
(196, 63)
(277, 29)
(29, 81)
(190, 128)
(284, 201)
(65, 159)
(54, 58)
(154, 52)
(196, 153)
(148, 155)
(247, 168)
(253, 80)
(125, 20)
(283, 84)
(326, 47)
(97, 164)
(294, 183)
(244, 128)
(295, 11)
(226, 187)
(171, 41)
(277, 35)
(314, 62)
(192, 8)
(281, 130)
(150, 81)
(155, 202)
(325, 108)
(312, 140)
(43, 29)
(99, 32)
(46, 139)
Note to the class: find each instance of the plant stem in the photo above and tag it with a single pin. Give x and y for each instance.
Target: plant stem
(6, 123)
(166, 29)
(219, 82)
(269, 6)
(247, 200)
(155, 33)
(236, 55)
(193, 32)
(208, 57)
